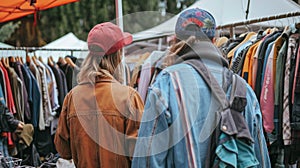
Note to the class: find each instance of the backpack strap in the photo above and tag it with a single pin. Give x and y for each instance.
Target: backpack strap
(232, 120)
(211, 82)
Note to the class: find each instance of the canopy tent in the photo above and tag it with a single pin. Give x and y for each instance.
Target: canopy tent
(68, 43)
(13, 9)
(9, 50)
(3, 45)
(231, 11)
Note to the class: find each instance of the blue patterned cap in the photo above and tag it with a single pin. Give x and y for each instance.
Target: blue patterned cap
(195, 22)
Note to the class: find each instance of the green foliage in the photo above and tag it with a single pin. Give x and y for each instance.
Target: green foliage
(7, 30)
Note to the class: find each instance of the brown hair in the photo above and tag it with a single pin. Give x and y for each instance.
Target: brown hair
(175, 50)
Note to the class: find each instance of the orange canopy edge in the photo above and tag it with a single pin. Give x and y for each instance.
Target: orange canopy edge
(14, 9)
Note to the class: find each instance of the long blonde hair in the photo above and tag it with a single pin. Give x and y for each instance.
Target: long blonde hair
(100, 66)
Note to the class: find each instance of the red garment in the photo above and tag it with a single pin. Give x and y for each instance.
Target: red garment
(10, 99)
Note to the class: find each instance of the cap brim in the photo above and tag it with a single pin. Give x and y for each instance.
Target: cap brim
(127, 38)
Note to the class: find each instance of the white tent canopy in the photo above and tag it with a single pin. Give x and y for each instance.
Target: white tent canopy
(3, 45)
(231, 11)
(9, 50)
(66, 42)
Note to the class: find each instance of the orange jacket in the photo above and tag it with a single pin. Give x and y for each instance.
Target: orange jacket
(248, 63)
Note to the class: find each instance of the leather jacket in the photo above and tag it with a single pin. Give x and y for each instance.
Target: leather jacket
(7, 121)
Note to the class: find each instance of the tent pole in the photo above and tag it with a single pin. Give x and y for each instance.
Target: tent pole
(119, 20)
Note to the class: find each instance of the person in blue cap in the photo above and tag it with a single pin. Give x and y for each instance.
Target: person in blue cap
(183, 124)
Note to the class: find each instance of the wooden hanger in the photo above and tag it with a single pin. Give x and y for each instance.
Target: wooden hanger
(62, 60)
(274, 29)
(4, 61)
(50, 61)
(70, 62)
(12, 59)
(28, 59)
(34, 60)
(21, 60)
(41, 59)
(51, 58)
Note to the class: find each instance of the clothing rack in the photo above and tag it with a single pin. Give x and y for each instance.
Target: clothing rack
(33, 49)
(269, 18)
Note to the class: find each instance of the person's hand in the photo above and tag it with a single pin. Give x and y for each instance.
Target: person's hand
(20, 125)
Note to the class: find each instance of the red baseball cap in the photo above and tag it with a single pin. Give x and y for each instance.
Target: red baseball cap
(108, 37)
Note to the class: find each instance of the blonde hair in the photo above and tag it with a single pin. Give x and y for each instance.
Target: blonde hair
(100, 66)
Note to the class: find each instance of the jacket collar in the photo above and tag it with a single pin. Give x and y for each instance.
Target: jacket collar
(203, 50)
(100, 79)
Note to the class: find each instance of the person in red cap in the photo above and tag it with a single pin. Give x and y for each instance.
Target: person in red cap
(100, 117)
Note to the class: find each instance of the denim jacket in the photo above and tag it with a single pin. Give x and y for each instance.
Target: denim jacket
(166, 135)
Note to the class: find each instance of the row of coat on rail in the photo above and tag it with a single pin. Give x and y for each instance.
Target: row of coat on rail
(269, 62)
(34, 92)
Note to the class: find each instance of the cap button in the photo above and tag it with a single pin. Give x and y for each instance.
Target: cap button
(224, 128)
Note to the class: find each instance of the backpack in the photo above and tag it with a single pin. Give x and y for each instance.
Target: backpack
(231, 141)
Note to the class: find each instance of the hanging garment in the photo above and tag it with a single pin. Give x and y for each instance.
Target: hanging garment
(231, 52)
(248, 63)
(267, 96)
(286, 106)
(260, 61)
(60, 85)
(26, 109)
(147, 72)
(3, 84)
(17, 91)
(36, 73)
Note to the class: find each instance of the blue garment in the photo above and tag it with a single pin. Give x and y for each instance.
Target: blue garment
(27, 80)
(162, 118)
(36, 96)
(3, 146)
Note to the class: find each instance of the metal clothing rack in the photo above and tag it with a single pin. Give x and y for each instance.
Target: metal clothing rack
(33, 49)
(269, 18)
